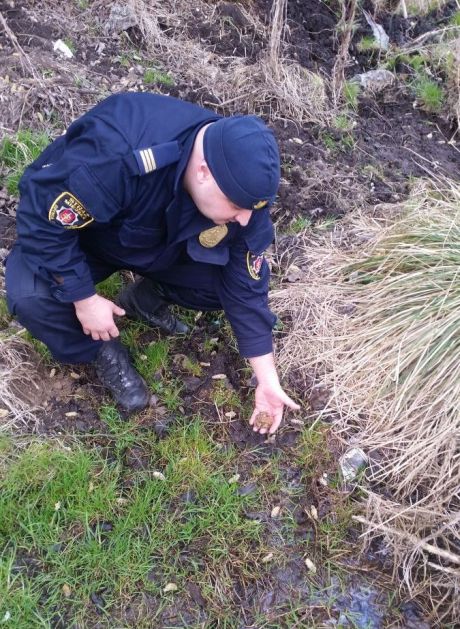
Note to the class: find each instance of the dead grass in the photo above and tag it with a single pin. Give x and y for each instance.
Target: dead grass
(272, 84)
(376, 322)
(19, 385)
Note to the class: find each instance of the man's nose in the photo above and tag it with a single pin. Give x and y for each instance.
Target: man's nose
(243, 217)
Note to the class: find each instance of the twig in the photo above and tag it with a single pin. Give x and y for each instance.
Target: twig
(429, 548)
(14, 40)
(451, 571)
(346, 23)
(421, 38)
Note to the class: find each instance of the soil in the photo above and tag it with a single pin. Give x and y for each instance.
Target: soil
(393, 141)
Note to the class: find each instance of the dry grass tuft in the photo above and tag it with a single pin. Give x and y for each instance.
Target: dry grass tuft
(271, 85)
(381, 312)
(19, 385)
(421, 7)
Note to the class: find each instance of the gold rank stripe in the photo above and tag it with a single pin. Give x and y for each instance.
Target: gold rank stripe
(148, 160)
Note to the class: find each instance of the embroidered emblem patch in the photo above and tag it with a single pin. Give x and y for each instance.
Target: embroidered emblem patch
(67, 211)
(212, 237)
(254, 264)
(259, 205)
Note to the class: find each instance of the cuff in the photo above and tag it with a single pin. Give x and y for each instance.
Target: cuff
(75, 290)
(253, 347)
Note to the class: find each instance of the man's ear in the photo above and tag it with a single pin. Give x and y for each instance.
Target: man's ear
(203, 172)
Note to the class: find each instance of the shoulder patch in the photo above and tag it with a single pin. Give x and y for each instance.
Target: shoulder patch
(254, 263)
(69, 212)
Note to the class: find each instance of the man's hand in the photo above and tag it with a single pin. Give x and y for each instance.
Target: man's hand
(95, 314)
(270, 397)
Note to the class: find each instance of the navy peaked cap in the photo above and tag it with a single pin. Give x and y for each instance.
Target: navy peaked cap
(243, 157)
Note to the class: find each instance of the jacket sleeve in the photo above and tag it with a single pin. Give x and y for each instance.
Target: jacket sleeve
(80, 178)
(243, 288)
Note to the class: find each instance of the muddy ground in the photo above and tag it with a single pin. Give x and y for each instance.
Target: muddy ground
(326, 173)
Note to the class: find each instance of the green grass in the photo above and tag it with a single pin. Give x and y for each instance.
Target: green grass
(225, 397)
(40, 348)
(152, 76)
(312, 446)
(299, 224)
(344, 144)
(169, 392)
(67, 523)
(351, 93)
(429, 93)
(192, 367)
(70, 44)
(367, 43)
(17, 152)
(455, 19)
(343, 122)
(153, 358)
(110, 287)
(5, 316)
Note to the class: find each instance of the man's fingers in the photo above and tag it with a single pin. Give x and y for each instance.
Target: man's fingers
(86, 331)
(114, 332)
(287, 400)
(276, 423)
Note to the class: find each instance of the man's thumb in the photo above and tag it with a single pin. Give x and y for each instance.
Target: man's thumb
(118, 311)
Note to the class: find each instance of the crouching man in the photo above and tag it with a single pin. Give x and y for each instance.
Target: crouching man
(171, 191)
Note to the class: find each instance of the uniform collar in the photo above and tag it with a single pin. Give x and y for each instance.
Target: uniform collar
(182, 215)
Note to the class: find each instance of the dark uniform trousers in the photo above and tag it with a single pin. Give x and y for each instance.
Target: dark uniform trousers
(31, 301)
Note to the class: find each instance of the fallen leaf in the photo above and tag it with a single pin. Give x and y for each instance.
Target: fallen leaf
(234, 479)
(53, 372)
(267, 558)
(158, 475)
(66, 590)
(205, 364)
(170, 587)
(230, 414)
(74, 375)
(310, 565)
(275, 512)
(314, 512)
(71, 414)
(91, 486)
(3, 412)
(219, 376)
(57, 505)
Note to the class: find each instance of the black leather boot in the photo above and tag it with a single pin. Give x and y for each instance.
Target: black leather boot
(142, 301)
(115, 371)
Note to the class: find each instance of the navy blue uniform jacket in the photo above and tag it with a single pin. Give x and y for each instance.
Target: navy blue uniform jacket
(99, 189)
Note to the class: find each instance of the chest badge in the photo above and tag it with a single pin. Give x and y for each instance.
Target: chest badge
(212, 237)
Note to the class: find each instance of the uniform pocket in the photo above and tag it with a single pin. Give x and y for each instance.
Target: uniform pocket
(96, 199)
(212, 255)
(21, 281)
